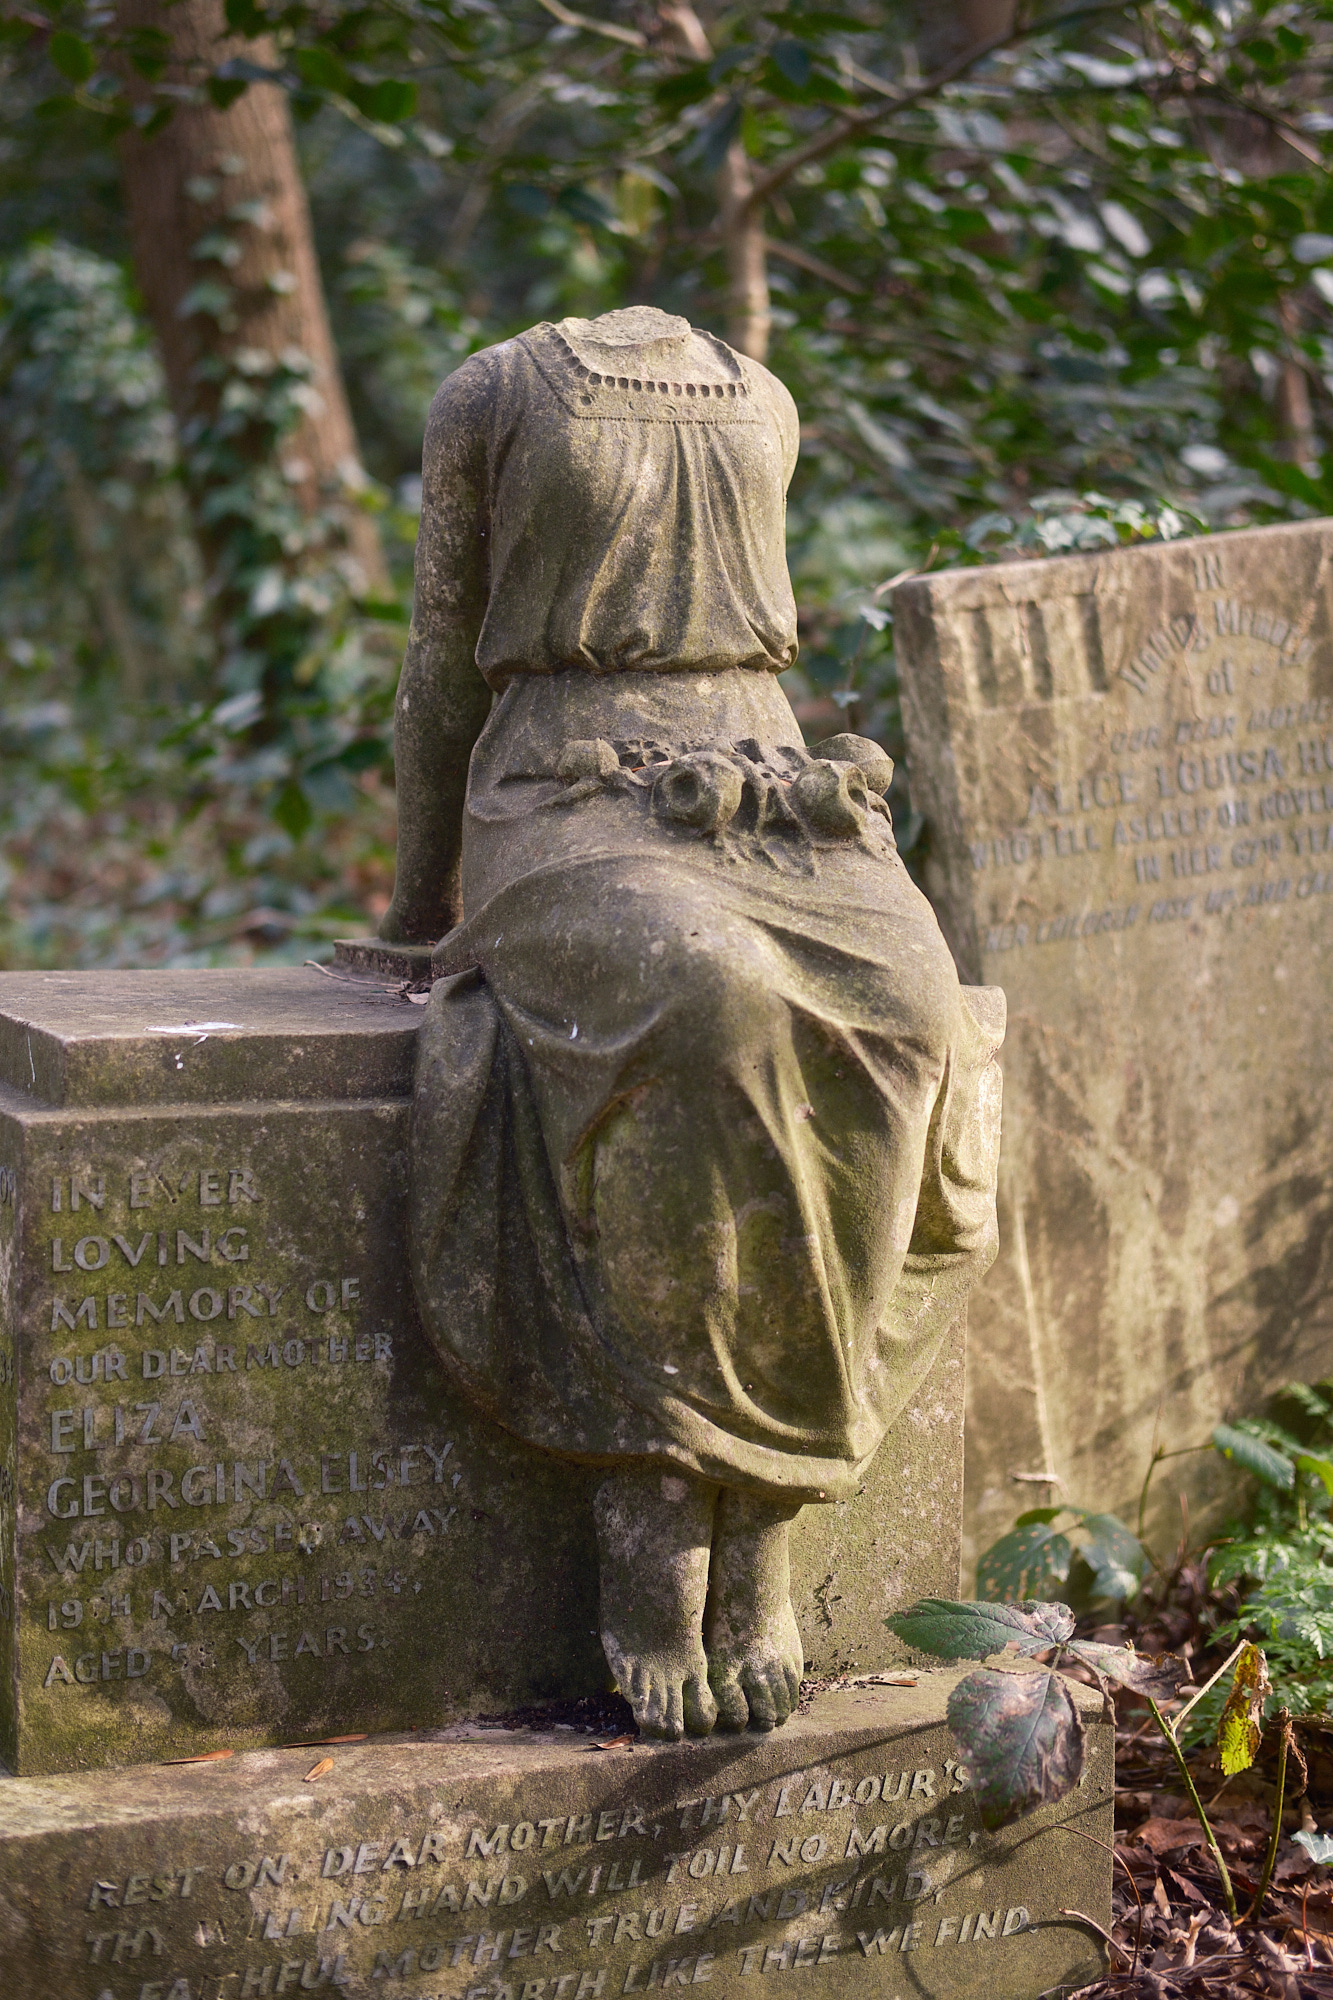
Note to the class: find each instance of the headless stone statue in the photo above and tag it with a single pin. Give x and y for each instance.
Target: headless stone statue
(703, 1154)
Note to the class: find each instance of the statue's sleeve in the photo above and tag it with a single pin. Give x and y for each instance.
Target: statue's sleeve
(442, 700)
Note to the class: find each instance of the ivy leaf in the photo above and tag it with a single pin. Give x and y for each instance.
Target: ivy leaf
(224, 90)
(388, 102)
(1273, 1467)
(975, 1631)
(709, 144)
(1240, 1725)
(1162, 1675)
(321, 70)
(687, 87)
(1023, 1738)
(292, 809)
(1319, 1846)
(245, 18)
(794, 60)
(1027, 1560)
(586, 206)
(72, 56)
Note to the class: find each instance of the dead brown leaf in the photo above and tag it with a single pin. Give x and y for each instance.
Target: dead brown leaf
(320, 1770)
(1162, 1835)
(625, 1742)
(202, 1757)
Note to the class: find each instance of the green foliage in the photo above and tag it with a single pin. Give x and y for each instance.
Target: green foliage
(1080, 293)
(1280, 1553)
(126, 727)
(1037, 1553)
(1020, 1730)
(1279, 1557)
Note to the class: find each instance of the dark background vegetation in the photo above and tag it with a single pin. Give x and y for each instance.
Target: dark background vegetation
(1005, 257)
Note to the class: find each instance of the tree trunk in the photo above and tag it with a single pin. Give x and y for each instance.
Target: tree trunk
(1295, 412)
(749, 313)
(216, 198)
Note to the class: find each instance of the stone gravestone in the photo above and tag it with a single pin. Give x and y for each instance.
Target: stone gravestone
(241, 1506)
(240, 1502)
(845, 1846)
(699, 1171)
(1126, 767)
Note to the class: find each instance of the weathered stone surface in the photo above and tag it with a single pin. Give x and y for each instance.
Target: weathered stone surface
(704, 1133)
(1126, 766)
(844, 1847)
(456, 1568)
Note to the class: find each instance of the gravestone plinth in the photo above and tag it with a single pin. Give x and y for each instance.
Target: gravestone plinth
(1126, 768)
(845, 1846)
(239, 1501)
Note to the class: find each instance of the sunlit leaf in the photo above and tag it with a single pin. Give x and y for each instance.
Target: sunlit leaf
(975, 1631)
(1255, 1456)
(1023, 1739)
(1240, 1725)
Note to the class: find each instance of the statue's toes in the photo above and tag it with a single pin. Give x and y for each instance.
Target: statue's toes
(701, 1710)
(759, 1693)
(767, 1692)
(672, 1709)
(733, 1710)
(780, 1687)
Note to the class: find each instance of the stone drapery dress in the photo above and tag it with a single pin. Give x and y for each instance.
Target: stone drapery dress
(703, 1148)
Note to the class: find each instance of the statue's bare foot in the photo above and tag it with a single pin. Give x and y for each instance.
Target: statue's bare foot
(755, 1659)
(653, 1535)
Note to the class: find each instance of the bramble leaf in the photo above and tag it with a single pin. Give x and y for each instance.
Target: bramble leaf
(1240, 1725)
(974, 1631)
(1160, 1675)
(1023, 1739)
(1273, 1467)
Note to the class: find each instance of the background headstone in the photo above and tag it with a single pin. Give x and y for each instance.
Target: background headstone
(1125, 762)
(239, 1502)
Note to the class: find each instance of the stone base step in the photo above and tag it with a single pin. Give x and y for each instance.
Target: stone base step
(842, 1854)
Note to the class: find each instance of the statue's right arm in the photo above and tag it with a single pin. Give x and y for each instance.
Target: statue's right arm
(442, 701)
